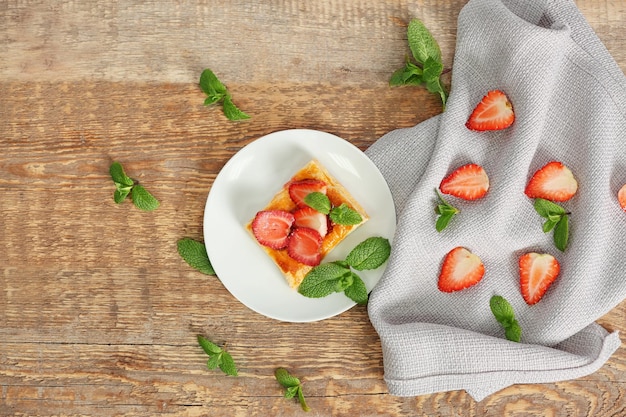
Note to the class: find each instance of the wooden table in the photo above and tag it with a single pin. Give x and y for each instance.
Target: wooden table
(98, 313)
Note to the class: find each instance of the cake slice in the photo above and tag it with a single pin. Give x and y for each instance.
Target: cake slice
(296, 236)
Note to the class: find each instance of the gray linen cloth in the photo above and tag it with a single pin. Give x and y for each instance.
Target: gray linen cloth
(569, 98)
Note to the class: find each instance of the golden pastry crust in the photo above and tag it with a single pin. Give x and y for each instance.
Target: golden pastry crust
(293, 270)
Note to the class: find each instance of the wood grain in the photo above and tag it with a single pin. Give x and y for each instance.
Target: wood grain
(98, 313)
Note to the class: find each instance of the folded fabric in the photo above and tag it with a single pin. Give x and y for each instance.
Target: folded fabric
(569, 99)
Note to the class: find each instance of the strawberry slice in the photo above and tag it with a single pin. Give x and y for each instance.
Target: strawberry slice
(304, 246)
(537, 272)
(300, 189)
(461, 269)
(494, 112)
(311, 218)
(554, 182)
(621, 197)
(271, 228)
(468, 182)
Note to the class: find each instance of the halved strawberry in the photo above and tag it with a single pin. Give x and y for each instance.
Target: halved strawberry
(494, 112)
(271, 228)
(468, 182)
(461, 269)
(554, 182)
(304, 246)
(311, 218)
(621, 197)
(537, 272)
(300, 189)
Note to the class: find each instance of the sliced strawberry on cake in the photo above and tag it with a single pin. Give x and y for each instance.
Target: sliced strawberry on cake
(461, 269)
(537, 273)
(298, 190)
(271, 228)
(494, 112)
(468, 182)
(305, 245)
(554, 181)
(311, 218)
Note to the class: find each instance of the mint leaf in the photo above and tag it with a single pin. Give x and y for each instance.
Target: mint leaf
(120, 194)
(218, 357)
(445, 211)
(217, 92)
(194, 253)
(504, 314)
(421, 42)
(410, 74)
(322, 280)
(119, 176)
(549, 225)
(344, 282)
(227, 365)
(318, 201)
(285, 379)
(143, 199)
(231, 111)
(357, 292)
(292, 385)
(561, 233)
(547, 209)
(345, 215)
(369, 254)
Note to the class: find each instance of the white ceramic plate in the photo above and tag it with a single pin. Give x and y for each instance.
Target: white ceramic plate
(248, 182)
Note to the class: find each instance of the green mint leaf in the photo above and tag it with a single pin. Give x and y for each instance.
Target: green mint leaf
(513, 332)
(285, 379)
(318, 201)
(504, 314)
(502, 310)
(344, 282)
(194, 253)
(211, 85)
(303, 404)
(227, 364)
(322, 280)
(446, 213)
(432, 72)
(291, 392)
(561, 233)
(120, 194)
(209, 347)
(397, 78)
(214, 361)
(549, 225)
(443, 221)
(546, 208)
(421, 42)
(344, 215)
(143, 199)
(369, 254)
(231, 111)
(357, 292)
(119, 176)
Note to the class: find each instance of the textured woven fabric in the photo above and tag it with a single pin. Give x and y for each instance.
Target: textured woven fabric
(569, 98)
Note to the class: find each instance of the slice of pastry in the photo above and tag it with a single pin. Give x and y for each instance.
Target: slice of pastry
(296, 236)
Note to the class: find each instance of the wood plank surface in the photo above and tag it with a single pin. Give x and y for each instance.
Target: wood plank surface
(98, 313)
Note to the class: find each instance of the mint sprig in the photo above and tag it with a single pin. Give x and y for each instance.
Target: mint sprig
(557, 219)
(195, 254)
(428, 66)
(504, 314)
(126, 186)
(217, 92)
(445, 211)
(218, 357)
(292, 385)
(338, 276)
(342, 214)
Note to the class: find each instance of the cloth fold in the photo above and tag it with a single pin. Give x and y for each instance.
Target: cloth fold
(569, 98)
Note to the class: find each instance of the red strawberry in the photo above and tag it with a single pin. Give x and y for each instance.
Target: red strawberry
(537, 272)
(304, 246)
(621, 197)
(494, 112)
(554, 182)
(311, 218)
(271, 228)
(468, 182)
(300, 189)
(460, 269)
